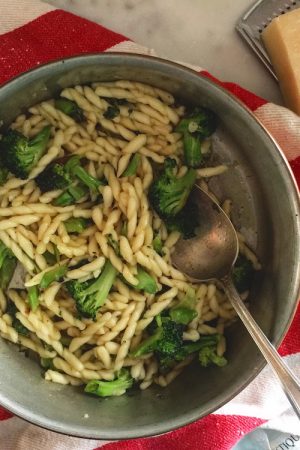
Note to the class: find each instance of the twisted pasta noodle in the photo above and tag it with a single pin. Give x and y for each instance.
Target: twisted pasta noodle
(128, 334)
(34, 208)
(17, 220)
(120, 326)
(9, 332)
(24, 243)
(17, 251)
(208, 172)
(36, 279)
(57, 377)
(87, 269)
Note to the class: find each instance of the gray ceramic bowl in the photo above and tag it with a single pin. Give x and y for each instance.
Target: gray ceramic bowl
(266, 209)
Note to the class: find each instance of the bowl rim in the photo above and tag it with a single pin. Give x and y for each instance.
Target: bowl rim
(192, 416)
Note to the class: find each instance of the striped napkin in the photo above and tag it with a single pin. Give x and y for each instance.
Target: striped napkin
(33, 33)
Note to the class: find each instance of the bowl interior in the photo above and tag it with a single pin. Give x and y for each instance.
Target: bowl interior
(265, 209)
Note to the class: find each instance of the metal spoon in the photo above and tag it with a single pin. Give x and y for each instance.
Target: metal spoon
(210, 256)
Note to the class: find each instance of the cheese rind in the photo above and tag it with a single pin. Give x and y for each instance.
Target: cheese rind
(282, 41)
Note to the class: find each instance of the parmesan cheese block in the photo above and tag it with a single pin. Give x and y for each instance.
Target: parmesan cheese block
(282, 41)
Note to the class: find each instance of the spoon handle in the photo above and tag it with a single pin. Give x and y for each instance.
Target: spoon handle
(289, 382)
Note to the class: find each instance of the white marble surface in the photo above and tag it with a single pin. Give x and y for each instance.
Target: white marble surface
(199, 32)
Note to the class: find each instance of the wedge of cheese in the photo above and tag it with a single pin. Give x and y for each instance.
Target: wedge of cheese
(282, 41)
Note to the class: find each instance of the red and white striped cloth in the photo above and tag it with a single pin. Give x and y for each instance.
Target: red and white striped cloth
(32, 33)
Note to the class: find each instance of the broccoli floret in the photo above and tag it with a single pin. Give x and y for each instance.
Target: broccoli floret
(116, 387)
(208, 356)
(242, 273)
(76, 224)
(20, 154)
(8, 263)
(192, 150)
(166, 342)
(54, 177)
(90, 295)
(158, 245)
(3, 173)
(186, 221)
(146, 282)
(168, 194)
(132, 166)
(55, 274)
(200, 124)
(63, 172)
(201, 121)
(33, 297)
(69, 108)
(207, 348)
(184, 312)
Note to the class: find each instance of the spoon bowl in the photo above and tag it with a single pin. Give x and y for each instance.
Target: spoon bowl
(213, 251)
(210, 255)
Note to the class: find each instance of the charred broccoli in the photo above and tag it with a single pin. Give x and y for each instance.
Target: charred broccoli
(20, 154)
(90, 295)
(186, 221)
(62, 173)
(168, 194)
(69, 108)
(116, 387)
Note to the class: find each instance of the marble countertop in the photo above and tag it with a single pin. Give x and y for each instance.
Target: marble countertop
(200, 32)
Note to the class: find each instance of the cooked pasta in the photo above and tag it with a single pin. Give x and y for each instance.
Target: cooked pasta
(101, 225)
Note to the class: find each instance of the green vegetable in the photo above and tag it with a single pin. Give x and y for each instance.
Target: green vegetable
(192, 150)
(52, 258)
(76, 170)
(61, 174)
(158, 245)
(242, 273)
(208, 356)
(201, 122)
(186, 221)
(132, 166)
(113, 244)
(146, 282)
(16, 324)
(168, 194)
(33, 297)
(47, 363)
(166, 342)
(53, 177)
(90, 295)
(69, 108)
(20, 154)
(111, 112)
(116, 387)
(76, 224)
(71, 196)
(3, 172)
(55, 274)
(184, 312)
(8, 264)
